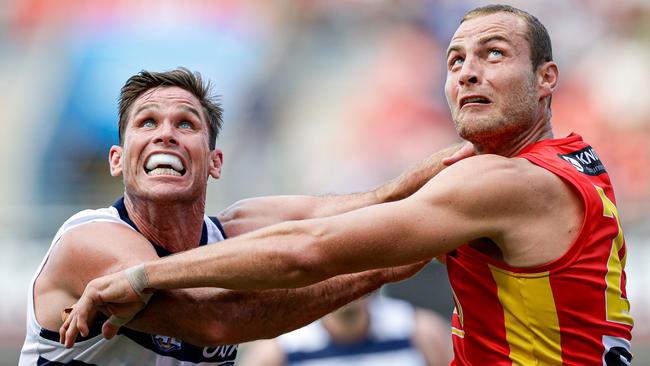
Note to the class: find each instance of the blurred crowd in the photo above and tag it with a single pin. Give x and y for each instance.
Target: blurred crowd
(321, 96)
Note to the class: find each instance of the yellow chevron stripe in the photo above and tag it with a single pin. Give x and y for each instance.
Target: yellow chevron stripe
(532, 326)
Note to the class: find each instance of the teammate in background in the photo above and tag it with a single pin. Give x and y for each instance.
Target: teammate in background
(168, 125)
(529, 228)
(371, 331)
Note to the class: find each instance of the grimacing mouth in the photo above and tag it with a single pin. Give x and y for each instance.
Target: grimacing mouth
(473, 99)
(164, 164)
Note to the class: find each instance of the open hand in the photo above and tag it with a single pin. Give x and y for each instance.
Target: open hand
(114, 294)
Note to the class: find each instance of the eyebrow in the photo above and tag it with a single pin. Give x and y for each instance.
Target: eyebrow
(452, 49)
(494, 37)
(184, 108)
(482, 41)
(191, 110)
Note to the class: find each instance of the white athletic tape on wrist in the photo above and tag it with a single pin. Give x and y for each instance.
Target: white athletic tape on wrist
(138, 280)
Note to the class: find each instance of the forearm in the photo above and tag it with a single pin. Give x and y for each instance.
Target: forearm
(208, 316)
(255, 213)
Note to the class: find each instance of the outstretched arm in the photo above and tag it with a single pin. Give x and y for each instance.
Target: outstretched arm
(228, 317)
(218, 316)
(253, 213)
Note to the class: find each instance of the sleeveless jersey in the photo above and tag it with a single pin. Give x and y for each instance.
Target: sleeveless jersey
(129, 347)
(388, 341)
(570, 311)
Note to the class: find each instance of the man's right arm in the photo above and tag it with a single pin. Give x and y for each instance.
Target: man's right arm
(253, 213)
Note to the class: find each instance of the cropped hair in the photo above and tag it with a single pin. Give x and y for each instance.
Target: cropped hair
(181, 77)
(537, 36)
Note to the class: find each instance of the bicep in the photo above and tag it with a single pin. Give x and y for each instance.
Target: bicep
(449, 211)
(414, 229)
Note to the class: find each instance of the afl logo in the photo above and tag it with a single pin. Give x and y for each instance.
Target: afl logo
(166, 344)
(575, 163)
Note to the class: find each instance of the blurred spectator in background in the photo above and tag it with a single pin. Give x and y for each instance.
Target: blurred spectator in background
(372, 331)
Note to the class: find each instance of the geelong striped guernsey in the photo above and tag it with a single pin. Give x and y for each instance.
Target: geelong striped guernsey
(388, 341)
(129, 347)
(571, 311)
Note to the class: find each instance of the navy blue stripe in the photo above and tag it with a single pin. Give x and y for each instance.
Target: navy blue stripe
(45, 362)
(180, 350)
(160, 250)
(366, 347)
(183, 351)
(219, 226)
(95, 330)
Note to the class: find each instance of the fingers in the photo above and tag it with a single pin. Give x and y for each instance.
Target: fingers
(128, 287)
(76, 321)
(464, 152)
(71, 328)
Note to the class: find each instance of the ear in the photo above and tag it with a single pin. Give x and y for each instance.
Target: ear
(115, 160)
(547, 77)
(216, 161)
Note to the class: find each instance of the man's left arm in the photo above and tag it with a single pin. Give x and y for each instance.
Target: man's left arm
(211, 316)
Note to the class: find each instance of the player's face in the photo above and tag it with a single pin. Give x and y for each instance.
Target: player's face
(166, 155)
(491, 86)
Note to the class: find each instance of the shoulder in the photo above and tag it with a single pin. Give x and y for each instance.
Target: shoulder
(492, 181)
(496, 171)
(92, 249)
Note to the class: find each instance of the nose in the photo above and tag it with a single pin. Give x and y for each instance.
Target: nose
(166, 135)
(469, 73)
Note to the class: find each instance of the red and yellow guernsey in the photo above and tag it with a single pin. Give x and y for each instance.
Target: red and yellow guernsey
(571, 311)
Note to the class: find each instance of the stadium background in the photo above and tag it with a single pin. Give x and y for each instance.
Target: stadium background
(325, 96)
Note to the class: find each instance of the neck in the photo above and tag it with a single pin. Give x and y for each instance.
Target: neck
(175, 226)
(510, 146)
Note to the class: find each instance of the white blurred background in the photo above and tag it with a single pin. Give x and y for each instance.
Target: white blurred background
(322, 96)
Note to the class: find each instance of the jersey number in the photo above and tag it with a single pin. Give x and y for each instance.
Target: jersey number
(618, 307)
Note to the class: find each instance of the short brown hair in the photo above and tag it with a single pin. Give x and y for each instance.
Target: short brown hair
(181, 77)
(537, 35)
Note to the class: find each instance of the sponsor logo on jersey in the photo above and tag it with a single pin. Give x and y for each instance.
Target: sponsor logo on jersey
(585, 161)
(166, 344)
(223, 353)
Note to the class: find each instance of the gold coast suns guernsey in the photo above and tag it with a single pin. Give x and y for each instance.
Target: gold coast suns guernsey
(571, 311)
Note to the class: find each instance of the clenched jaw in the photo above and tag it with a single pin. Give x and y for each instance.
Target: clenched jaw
(164, 164)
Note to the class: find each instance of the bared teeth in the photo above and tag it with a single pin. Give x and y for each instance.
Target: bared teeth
(164, 171)
(475, 100)
(165, 161)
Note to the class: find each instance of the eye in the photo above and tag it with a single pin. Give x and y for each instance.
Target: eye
(186, 125)
(149, 123)
(494, 53)
(456, 61)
